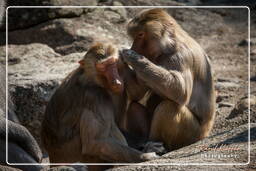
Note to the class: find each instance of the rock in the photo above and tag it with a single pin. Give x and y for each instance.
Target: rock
(242, 106)
(70, 12)
(60, 168)
(2, 86)
(221, 97)
(66, 36)
(34, 79)
(227, 80)
(67, 168)
(253, 52)
(2, 11)
(32, 57)
(226, 85)
(113, 17)
(73, 3)
(2, 55)
(7, 168)
(66, 12)
(13, 61)
(143, 3)
(226, 147)
(253, 78)
(243, 42)
(79, 168)
(190, 2)
(104, 1)
(225, 105)
(22, 17)
(26, 17)
(246, 41)
(60, 35)
(121, 11)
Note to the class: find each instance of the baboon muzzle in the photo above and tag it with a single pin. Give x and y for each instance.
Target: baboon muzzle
(114, 80)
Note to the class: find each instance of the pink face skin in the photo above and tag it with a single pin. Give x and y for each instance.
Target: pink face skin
(108, 69)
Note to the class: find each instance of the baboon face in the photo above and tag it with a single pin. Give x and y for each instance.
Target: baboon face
(152, 33)
(146, 45)
(103, 58)
(107, 68)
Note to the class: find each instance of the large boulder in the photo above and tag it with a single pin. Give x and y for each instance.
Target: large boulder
(26, 17)
(228, 147)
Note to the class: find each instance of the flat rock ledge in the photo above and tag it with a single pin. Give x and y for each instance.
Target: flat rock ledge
(228, 147)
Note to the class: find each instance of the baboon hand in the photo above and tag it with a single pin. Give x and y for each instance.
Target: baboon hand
(149, 156)
(128, 56)
(157, 147)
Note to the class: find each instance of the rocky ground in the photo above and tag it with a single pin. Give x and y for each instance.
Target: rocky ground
(44, 45)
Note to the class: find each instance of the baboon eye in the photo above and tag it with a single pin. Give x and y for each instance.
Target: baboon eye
(140, 35)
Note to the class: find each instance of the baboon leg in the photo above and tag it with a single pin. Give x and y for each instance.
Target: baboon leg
(107, 144)
(68, 152)
(173, 125)
(137, 122)
(92, 159)
(112, 151)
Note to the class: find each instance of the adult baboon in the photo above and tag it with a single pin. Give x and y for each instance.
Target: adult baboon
(79, 123)
(174, 76)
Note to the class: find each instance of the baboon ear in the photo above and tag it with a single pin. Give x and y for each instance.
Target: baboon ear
(81, 62)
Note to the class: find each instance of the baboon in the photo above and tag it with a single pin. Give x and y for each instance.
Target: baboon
(174, 80)
(79, 123)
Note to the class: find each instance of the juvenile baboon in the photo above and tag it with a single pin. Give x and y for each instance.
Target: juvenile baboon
(173, 76)
(79, 123)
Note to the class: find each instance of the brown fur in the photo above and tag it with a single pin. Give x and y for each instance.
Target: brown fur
(174, 76)
(79, 123)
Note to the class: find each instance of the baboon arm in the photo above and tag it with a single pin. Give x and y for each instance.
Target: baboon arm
(116, 133)
(134, 88)
(97, 139)
(172, 84)
(111, 150)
